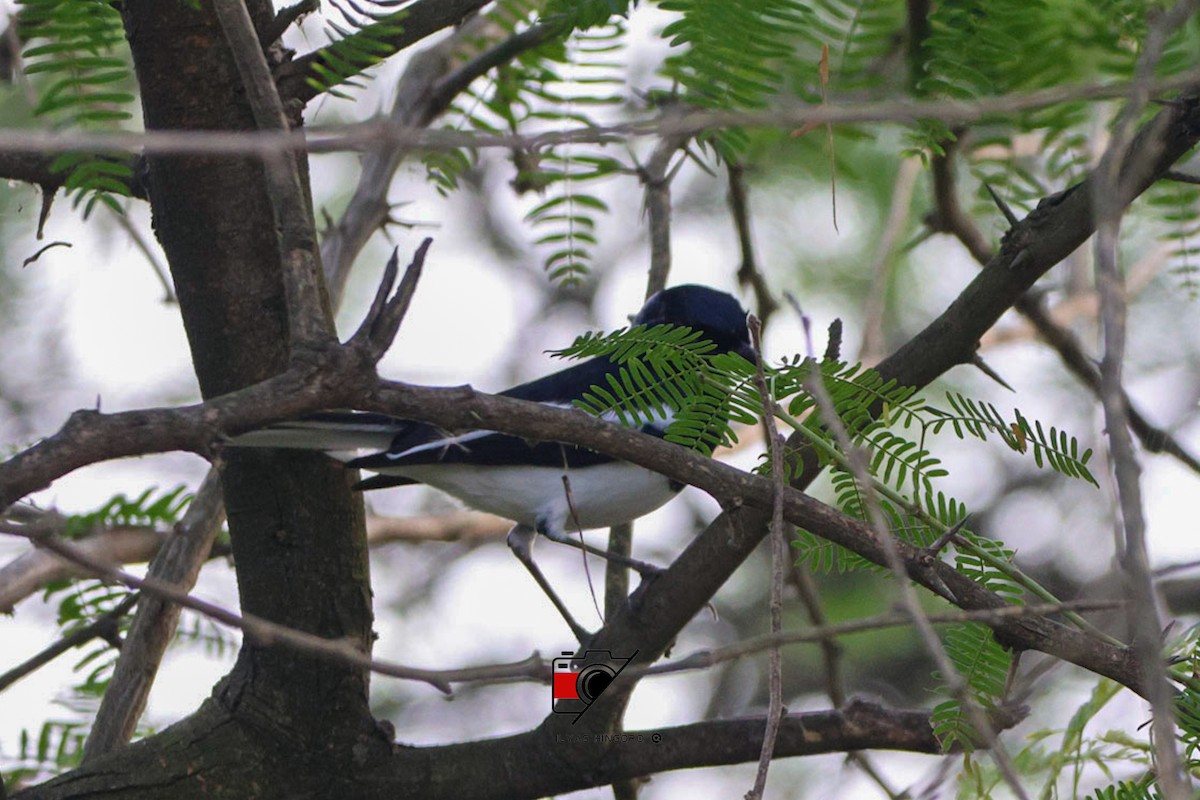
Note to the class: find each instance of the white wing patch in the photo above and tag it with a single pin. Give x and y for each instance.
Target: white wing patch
(658, 421)
(447, 442)
(441, 444)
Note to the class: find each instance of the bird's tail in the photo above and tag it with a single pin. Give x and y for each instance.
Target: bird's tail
(336, 432)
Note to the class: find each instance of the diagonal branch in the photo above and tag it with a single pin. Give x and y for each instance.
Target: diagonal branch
(426, 89)
(103, 627)
(177, 564)
(416, 21)
(950, 217)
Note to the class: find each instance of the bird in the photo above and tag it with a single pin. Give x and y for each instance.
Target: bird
(549, 488)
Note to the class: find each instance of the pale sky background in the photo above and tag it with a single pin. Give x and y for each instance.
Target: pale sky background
(122, 344)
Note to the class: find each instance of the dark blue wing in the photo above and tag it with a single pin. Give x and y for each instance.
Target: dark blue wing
(417, 443)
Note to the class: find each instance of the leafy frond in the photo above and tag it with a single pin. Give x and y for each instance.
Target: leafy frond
(56, 747)
(733, 55)
(1177, 207)
(81, 604)
(666, 371)
(861, 38)
(984, 665)
(569, 78)
(670, 371)
(855, 391)
(979, 563)
(669, 342)
(1056, 449)
(584, 15)
(1142, 789)
(986, 47)
(821, 555)
(360, 34)
(79, 62)
(150, 508)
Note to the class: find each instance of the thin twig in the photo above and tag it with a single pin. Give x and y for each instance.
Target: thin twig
(104, 627)
(1180, 177)
(657, 180)
(374, 133)
(748, 273)
(831, 651)
(872, 347)
(1144, 617)
(156, 266)
(704, 659)
(775, 446)
(41, 250)
(259, 631)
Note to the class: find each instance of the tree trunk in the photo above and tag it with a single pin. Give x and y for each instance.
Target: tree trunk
(279, 720)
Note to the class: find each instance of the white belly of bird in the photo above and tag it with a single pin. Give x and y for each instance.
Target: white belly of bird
(600, 495)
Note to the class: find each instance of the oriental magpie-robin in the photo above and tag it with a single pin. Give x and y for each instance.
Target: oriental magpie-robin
(510, 476)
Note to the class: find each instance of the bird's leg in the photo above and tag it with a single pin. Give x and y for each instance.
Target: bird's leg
(643, 568)
(520, 541)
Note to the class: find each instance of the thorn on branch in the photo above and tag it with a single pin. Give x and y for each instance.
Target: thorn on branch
(49, 191)
(382, 323)
(1018, 260)
(1003, 206)
(1180, 177)
(43, 249)
(936, 547)
(833, 349)
(1178, 105)
(978, 362)
(285, 19)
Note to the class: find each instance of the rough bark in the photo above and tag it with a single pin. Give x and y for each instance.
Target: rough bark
(297, 531)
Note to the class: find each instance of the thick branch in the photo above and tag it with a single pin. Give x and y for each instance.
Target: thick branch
(952, 218)
(195, 428)
(541, 771)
